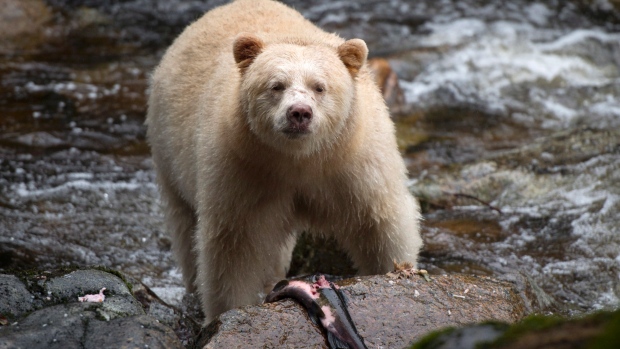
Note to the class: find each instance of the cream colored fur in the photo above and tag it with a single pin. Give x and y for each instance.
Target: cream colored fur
(236, 188)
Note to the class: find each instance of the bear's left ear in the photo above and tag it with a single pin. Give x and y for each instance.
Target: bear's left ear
(246, 48)
(353, 54)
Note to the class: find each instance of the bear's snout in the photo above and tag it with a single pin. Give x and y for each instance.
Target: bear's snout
(299, 116)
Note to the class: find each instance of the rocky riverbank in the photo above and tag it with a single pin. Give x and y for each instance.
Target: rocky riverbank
(507, 115)
(42, 309)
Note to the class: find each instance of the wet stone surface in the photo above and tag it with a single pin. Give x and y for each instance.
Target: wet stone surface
(548, 206)
(54, 318)
(507, 118)
(388, 312)
(16, 298)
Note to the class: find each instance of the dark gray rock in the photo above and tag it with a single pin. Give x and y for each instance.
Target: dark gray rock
(15, 299)
(135, 332)
(163, 314)
(77, 283)
(468, 337)
(58, 320)
(58, 326)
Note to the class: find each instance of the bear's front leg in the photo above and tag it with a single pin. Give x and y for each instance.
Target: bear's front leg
(181, 224)
(385, 236)
(236, 266)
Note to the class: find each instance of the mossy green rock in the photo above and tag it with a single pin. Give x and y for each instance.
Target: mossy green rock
(596, 331)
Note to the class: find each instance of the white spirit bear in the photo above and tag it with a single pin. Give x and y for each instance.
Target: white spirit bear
(263, 126)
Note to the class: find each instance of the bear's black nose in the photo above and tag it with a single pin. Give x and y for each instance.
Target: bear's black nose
(299, 114)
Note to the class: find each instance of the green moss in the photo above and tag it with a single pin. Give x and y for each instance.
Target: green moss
(578, 329)
(117, 274)
(450, 335)
(532, 323)
(595, 331)
(432, 340)
(611, 335)
(34, 281)
(408, 132)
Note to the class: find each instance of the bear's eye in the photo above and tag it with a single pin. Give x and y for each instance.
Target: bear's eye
(277, 87)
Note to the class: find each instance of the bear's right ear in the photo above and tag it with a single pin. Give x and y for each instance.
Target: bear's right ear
(353, 54)
(245, 49)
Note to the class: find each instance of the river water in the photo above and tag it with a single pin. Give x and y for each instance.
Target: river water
(510, 130)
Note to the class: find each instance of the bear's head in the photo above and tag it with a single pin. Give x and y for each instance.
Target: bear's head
(298, 96)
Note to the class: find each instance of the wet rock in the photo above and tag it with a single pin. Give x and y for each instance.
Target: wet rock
(604, 11)
(185, 320)
(388, 312)
(39, 139)
(56, 318)
(463, 338)
(284, 324)
(534, 298)
(546, 205)
(16, 300)
(81, 208)
(138, 332)
(74, 326)
(70, 285)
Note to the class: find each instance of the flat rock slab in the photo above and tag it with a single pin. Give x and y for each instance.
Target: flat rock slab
(388, 312)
